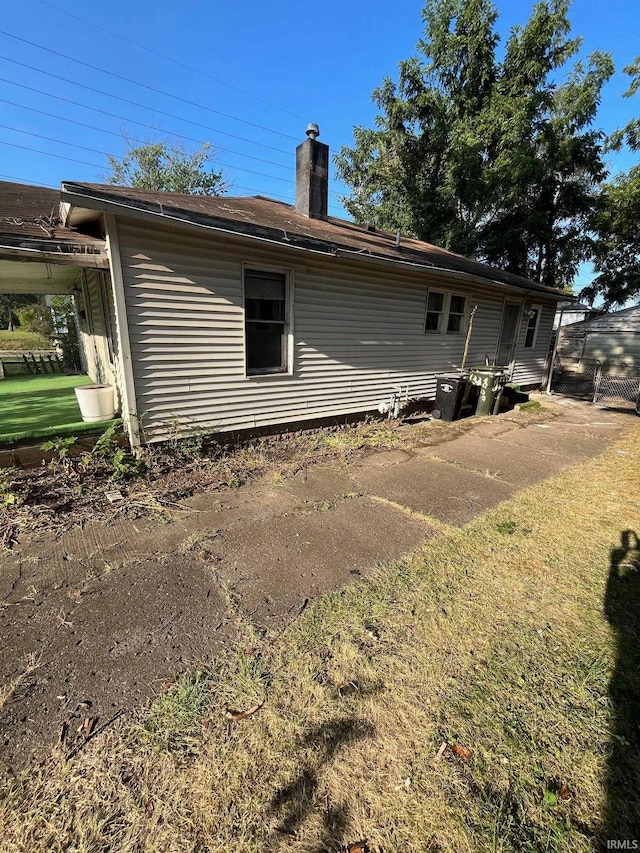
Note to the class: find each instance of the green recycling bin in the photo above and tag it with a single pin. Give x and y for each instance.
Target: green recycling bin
(490, 381)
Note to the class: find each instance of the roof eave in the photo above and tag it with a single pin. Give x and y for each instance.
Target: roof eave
(79, 196)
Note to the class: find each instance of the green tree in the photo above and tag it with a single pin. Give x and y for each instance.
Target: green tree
(37, 318)
(616, 221)
(9, 304)
(483, 155)
(64, 318)
(168, 168)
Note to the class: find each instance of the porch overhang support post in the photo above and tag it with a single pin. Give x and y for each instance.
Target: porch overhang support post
(128, 391)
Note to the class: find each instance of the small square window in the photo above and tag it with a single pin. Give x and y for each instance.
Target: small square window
(266, 324)
(457, 310)
(435, 310)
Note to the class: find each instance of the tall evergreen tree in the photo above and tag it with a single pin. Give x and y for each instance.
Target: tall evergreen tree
(486, 156)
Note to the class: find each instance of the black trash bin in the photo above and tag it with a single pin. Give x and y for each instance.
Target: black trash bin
(450, 396)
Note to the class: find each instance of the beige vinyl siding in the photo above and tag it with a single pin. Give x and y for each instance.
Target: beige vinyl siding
(358, 333)
(613, 339)
(617, 351)
(530, 363)
(97, 338)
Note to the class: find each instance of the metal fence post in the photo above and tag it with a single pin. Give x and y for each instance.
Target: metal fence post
(596, 387)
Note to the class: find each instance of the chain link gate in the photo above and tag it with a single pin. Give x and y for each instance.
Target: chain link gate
(576, 377)
(585, 379)
(621, 390)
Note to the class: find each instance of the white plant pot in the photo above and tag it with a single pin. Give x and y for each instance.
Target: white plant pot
(96, 402)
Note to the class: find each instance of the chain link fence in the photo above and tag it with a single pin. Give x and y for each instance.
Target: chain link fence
(618, 390)
(576, 377)
(585, 379)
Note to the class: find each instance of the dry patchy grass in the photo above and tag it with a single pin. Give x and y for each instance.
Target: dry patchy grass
(514, 638)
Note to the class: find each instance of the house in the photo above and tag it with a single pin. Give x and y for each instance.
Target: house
(568, 312)
(613, 339)
(239, 313)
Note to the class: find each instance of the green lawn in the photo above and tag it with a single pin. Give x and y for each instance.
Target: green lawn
(22, 340)
(42, 406)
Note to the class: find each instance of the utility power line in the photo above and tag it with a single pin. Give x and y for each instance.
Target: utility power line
(120, 118)
(142, 106)
(107, 154)
(96, 166)
(175, 61)
(144, 85)
(15, 180)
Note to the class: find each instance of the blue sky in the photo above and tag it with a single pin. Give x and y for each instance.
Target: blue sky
(262, 71)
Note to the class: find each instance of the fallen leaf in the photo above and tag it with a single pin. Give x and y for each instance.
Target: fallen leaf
(440, 752)
(564, 793)
(242, 715)
(460, 751)
(149, 807)
(89, 725)
(357, 847)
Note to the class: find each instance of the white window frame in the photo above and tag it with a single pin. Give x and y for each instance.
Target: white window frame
(288, 321)
(465, 314)
(443, 313)
(446, 310)
(534, 342)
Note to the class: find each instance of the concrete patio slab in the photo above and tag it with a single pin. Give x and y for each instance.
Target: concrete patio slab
(446, 492)
(274, 565)
(507, 462)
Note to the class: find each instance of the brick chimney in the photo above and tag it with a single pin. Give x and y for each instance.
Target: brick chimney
(312, 176)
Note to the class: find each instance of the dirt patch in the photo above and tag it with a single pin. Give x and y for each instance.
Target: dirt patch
(108, 641)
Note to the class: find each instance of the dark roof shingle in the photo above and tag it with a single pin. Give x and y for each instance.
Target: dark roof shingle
(31, 214)
(259, 216)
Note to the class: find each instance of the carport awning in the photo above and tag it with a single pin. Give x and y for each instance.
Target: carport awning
(38, 253)
(37, 278)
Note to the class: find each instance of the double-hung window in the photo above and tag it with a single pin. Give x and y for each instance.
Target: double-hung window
(457, 313)
(446, 313)
(435, 311)
(533, 322)
(266, 311)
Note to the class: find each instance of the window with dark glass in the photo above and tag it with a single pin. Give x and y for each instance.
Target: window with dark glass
(532, 328)
(457, 309)
(265, 309)
(435, 310)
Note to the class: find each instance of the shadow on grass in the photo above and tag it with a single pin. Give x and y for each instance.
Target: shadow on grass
(294, 803)
(621, 819)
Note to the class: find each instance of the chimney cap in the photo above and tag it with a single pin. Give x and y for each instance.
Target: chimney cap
(312, 131)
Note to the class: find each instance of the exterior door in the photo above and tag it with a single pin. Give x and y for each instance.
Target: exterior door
(509, 335)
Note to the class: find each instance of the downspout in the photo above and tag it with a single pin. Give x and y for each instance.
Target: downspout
(128, 391)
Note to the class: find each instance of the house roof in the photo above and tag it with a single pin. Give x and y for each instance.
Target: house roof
(30, 218)
(576, 306)
(626, 320)
(262, 217)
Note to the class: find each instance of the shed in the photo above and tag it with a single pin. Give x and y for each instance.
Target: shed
(613, 339)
